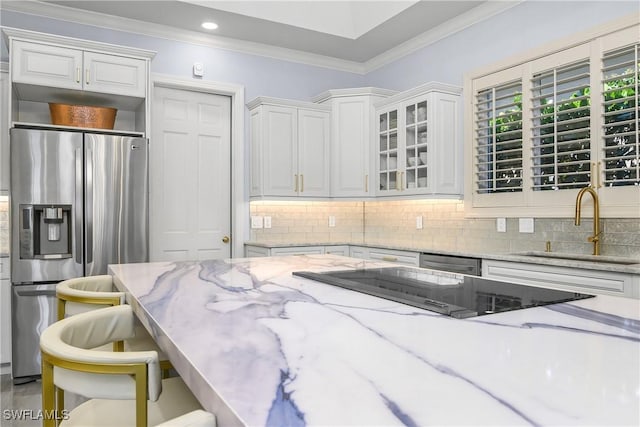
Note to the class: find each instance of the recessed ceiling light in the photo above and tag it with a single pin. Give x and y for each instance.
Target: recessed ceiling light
(209, 25)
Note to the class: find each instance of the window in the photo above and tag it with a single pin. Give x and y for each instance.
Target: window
(555, 122)
(561, 128)
(499, 139)
(621, 108)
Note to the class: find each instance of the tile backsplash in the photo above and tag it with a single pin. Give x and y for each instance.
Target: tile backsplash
(444, 228)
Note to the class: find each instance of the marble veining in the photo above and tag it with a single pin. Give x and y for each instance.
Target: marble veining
(261, 347)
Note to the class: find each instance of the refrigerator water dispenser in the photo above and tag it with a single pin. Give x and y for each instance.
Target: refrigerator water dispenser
(45, 231)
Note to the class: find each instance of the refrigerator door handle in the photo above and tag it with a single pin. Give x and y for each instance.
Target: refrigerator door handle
(89, 205)
(78, 207)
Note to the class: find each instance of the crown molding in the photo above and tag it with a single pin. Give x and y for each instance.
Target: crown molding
(419, 90)
(101, 20)
(78, 16)
(15, 33)
(465, 20)
(355, 91)
(266, 100)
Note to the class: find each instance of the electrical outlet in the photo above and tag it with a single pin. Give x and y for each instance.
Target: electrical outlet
(501, 225)
(267, 222)
(332, 221)
(419, 222)
(256, 222)
(525, 225)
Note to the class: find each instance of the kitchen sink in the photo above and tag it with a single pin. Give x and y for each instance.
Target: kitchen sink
(578, 257)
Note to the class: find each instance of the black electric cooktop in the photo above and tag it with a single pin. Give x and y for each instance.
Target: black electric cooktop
(455, 295)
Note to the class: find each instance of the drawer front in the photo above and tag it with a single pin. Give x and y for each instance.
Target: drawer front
(587, 281)
(299, 250)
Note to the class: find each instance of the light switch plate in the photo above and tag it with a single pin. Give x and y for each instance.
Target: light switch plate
(332, 221)
(267, 222)
(256, 222)
(501, 225)
(525, 225)
(419, 222)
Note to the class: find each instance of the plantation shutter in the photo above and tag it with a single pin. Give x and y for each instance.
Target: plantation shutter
(621, 106)
(561, 109)
(498, 125)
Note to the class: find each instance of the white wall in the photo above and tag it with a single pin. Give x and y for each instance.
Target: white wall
(260, 75)
(530, 24)
(514, 31)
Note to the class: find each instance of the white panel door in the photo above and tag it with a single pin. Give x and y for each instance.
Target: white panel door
(46, 65)
(350, 147)
(313, 153)
(119, 75)
(280, 151)
(190, 158)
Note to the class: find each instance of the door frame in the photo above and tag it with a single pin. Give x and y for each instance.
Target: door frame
(239, 206)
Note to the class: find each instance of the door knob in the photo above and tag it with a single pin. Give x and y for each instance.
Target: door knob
(225, 239)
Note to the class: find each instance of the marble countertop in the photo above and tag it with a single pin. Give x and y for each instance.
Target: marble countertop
(260, 347)
(532, 257)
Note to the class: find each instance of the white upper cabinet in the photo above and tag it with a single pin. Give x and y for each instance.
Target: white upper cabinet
(4, 131)
(47, 68)
(115, 74)
(54, 66)
(289, 148)
(46, 65)
(418, 148)
(351, 134)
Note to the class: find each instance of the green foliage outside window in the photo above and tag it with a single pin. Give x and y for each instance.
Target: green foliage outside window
(620, 139)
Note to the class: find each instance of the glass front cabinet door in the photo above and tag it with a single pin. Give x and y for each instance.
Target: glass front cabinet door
(420, 144)
(388, 161)
(416, 146)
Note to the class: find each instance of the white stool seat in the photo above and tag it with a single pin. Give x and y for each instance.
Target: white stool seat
(197, 418)
(83, 294)
(125, 388)
(174, 400)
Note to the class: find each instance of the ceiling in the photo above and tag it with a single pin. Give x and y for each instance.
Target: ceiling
(347, 30)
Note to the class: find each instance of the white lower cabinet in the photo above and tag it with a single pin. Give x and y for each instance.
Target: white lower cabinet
(258, 251)
(337, 250)
(298, 250)
(566, 278)
(5, 312)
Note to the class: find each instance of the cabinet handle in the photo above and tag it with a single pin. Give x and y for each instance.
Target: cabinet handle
(401, 181)
(389, 258)
(295, 179)
(77, 74)
(87, 76)
(366, 183)
(598, 176)
(397, 181)
(302, 183)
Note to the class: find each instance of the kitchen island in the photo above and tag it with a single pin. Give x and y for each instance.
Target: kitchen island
(261, 347)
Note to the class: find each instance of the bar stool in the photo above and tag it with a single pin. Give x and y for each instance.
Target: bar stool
(197, 418)
(84, 294)
(123, 387)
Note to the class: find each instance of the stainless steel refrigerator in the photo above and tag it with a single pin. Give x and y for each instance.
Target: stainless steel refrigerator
(79, 201)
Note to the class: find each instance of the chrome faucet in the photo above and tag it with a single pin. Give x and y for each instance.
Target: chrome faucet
(595, 239)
